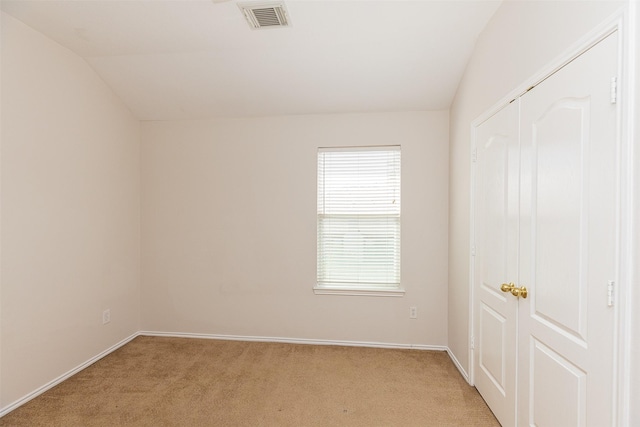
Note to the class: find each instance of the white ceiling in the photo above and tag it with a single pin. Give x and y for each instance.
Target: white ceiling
(184, 59)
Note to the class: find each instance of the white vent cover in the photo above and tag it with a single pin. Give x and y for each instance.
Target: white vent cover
(265, 15)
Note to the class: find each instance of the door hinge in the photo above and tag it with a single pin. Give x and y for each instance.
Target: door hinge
(610, 293)
(473, 250)
(474, 155)
(472, 343)
(614, 90)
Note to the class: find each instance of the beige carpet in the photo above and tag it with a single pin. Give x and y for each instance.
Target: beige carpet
(156, 381)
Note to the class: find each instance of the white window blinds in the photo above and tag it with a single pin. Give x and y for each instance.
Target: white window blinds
(359, 217)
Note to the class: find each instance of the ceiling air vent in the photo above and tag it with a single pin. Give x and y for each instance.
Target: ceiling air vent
(265, 15)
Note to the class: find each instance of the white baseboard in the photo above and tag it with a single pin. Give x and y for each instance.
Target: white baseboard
(456, 362)
(61, 378)
(293, 340)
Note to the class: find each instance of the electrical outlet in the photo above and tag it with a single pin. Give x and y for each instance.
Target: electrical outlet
(106, 316)
(413, 312)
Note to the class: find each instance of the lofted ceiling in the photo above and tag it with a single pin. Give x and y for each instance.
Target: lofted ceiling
(184, 59)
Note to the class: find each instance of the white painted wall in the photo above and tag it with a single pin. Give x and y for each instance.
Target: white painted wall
(70, 213)
(229, 228)
(521, 39)
(634, 294)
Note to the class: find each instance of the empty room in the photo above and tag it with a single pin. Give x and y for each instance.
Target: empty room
(320, 213)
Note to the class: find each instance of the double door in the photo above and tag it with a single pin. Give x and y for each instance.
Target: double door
(545, 266)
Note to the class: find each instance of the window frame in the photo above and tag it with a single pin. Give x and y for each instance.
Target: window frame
(331, 288)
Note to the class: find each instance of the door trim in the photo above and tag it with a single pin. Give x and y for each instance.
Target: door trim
(624, 22)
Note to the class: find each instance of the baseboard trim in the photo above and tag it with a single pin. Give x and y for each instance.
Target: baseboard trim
(294, 340)
(61, 378)
(456, 362)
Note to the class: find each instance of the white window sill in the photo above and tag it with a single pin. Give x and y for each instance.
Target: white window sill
(371, 292)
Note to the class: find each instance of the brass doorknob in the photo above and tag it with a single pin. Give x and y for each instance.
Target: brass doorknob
(507, 287)
(515, 291)
(520, 292)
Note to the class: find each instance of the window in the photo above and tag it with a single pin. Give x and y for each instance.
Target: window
(359, 220)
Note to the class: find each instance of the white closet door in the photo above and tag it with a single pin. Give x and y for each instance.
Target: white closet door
(568, 244)
(496, 262)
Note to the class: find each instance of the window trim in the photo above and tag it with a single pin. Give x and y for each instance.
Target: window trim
(356, 290)
(353, 291)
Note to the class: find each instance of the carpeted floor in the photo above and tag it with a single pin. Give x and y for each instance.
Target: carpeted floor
(155, 381)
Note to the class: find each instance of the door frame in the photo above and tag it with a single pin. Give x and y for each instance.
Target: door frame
(625, 23)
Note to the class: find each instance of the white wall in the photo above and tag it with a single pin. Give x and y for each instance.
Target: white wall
(634, 333)
(229, 228)
(70, 213)
(521, 39)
